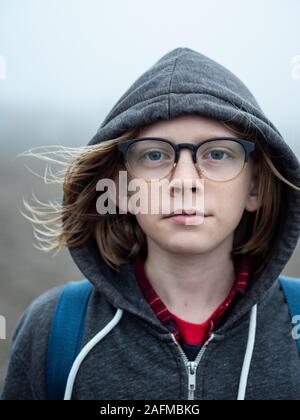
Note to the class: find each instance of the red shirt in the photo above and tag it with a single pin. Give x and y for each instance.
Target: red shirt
(193, 334)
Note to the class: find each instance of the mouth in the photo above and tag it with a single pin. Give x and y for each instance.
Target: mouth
(186, 213)
(186, 218)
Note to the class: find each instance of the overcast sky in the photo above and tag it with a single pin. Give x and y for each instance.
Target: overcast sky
(64, 63)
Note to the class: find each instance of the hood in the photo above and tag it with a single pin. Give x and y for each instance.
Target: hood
(185, 81)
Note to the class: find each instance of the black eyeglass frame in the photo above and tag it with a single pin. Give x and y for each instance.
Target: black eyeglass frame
(248, 146)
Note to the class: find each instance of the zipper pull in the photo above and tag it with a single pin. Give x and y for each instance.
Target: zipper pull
(192, 365)
(192, 368)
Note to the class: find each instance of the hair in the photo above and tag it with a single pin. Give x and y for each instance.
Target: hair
(257, 231)
(119, 237)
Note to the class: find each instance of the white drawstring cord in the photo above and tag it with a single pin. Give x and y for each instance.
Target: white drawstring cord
(95, 340)
(248, 355)
(86, 349)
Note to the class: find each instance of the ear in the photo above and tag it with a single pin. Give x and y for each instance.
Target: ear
(252, 199)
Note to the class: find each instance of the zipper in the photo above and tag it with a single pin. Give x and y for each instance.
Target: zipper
(192, 366)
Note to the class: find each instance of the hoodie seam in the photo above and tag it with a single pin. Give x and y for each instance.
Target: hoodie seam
(169, 93)
(170, 84)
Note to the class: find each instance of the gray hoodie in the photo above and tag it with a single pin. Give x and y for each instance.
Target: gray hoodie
(138, 358)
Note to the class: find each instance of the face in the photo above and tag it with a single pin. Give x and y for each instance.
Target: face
(224, 202)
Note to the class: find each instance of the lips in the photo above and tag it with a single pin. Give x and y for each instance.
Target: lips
(185, 213)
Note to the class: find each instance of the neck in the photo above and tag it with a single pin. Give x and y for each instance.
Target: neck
(191, 286)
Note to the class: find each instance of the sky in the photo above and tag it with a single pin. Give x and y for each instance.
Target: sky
(65, 63)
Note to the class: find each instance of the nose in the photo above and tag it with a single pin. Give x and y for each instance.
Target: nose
(186, 169)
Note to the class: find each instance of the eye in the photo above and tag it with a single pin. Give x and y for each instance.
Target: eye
(217, 155)
(154, 155)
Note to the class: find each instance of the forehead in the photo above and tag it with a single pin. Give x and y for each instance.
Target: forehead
(188, 128)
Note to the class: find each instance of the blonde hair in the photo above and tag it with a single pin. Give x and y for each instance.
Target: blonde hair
(119, 236)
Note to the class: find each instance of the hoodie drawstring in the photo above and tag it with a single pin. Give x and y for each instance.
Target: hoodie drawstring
(248, 354)
(86, 349)
(95, 340)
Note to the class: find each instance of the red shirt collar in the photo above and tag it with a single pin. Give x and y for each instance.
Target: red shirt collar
(192, 333)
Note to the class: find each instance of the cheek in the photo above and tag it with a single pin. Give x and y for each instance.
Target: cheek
(228, 202)
(149, 223)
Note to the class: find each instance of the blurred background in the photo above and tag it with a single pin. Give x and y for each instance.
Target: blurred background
(64, 64)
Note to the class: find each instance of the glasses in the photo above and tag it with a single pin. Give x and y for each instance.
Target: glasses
(217, 159)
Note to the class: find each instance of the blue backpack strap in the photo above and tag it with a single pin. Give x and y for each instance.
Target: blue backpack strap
(291, 289)
(66, 336)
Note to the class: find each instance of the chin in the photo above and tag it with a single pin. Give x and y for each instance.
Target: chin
(187, 245)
